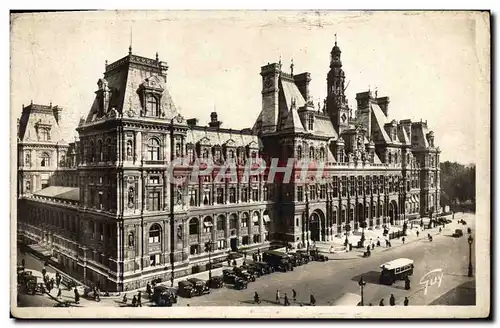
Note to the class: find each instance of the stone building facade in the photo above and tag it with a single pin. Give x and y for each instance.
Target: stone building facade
(105, 208)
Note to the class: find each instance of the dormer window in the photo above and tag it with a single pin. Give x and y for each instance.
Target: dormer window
(310, 122)
(152, 106)
(45, 135)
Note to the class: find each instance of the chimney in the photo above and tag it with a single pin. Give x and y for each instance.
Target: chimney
(302, 82)
(383, 103)
(214, 122)
(363, 99)
(192, 121)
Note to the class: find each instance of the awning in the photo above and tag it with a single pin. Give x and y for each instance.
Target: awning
(255, 218)
(207, 224)
(266, 218)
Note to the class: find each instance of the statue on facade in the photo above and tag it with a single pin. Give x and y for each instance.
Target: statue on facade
(129, 149)
(28, 159)
(179, 196)
(179, 232)
(131, 197)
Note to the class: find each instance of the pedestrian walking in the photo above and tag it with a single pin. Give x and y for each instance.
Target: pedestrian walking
(417, 233)
(139, 299)
(381, 302)
(406, 301)
(77, 296)
(403, 240)
(278, 297)
(392, 300)
(256, 298)
(373, 247)
(59, 293)
(294, 295)
(134, 301)
(312, 300)
(286, 300)
(407, 283)
(228, 261)
(148, 289)
(125, 298)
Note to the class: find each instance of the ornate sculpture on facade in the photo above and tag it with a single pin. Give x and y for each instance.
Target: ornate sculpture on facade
(129, 150)
(131, 197)
(179, 232)
(28, 159)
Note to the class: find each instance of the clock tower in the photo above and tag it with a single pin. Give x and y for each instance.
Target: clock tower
(336, 102)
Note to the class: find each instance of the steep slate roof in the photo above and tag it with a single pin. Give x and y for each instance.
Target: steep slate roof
(66, 193)
(220, 137)
(124, 78)
(380, 120)
(33, 114)
(323, 126)
(403, 136)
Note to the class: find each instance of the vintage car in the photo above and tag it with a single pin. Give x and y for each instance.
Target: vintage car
(253, 269)
(230, 277)
(296, 259)
(398, 269)
(458, 233)
(243, 274)
(278, 260)
(317, 256)
(264, 267)
(216, 282)
(186, 289)
(200, 286)
(306, 258)
(164, 296)
(240, 283)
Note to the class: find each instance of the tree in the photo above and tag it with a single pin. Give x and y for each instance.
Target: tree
(458, 183)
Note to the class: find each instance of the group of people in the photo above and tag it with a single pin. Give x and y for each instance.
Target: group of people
(392, 301)
(136, 300)
(286, 300)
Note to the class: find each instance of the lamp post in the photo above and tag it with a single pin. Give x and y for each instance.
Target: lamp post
(208, 248)
(361, 284)
(172, 220)
(470, 240)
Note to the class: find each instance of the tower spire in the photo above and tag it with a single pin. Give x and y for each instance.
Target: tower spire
(335, 38)
(291, 67)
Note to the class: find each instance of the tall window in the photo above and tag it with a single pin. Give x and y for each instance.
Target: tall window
(312, 192)
(190, 153)
(255, 194)
(335, 186)
(204, 153)
(232, 195)
(265, 193)
(152, 106)
(154, 260)
(322, 154)
(206, 196)
(178, 151)
(310, 122)
(311, 152)
(193, 226)
(322, 191)
(153, 150)
(99, 151)
(45, 161)
(154, 234)
(45, 135)
(193, 197)
(100, 200)
(299, 152)
(244, 194)
(230, 154)
(154, 201)
(220, 195)
(207, 225)
(92, 151)
(244, 220)
(352, 186)
(344, 186)
(360, 186)
(221, 222)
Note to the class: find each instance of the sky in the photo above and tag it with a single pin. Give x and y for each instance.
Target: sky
(433, 66)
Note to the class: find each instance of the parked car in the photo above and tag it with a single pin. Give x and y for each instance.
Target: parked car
(252, 269)
(186, 289)
(304, 255)
(216, 282)
(243, 274)
(458, 233)
(317, 256)
(164, 296)
(278, 260)
(200, 286)
(264, 267)
(231, 278)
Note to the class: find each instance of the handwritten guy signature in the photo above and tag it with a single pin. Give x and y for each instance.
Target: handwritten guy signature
(431, 278)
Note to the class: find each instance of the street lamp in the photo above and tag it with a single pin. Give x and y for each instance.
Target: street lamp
(361, 284)
(470, 240)
(208, 248)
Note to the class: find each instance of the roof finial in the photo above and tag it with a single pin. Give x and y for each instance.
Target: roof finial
(335, 38)
(279, 63)
(291, 67)
(157, 56)
(376, 92)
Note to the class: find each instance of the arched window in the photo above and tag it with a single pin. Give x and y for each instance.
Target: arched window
(233, 222)
(190, 153)
(311, 152)
(221, 222)
(299, 152)
(204, 153)
(154, 233)
(99, 150)
(152, 106)
(178, 150)
(244, 220)
(193, 226)
(322, 154)
(153, 150)
(45, 160)
(207, 224)
(230, 154)
(109, 149)
(92, 151)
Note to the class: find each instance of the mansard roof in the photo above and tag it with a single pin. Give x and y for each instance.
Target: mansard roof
(36, 116)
